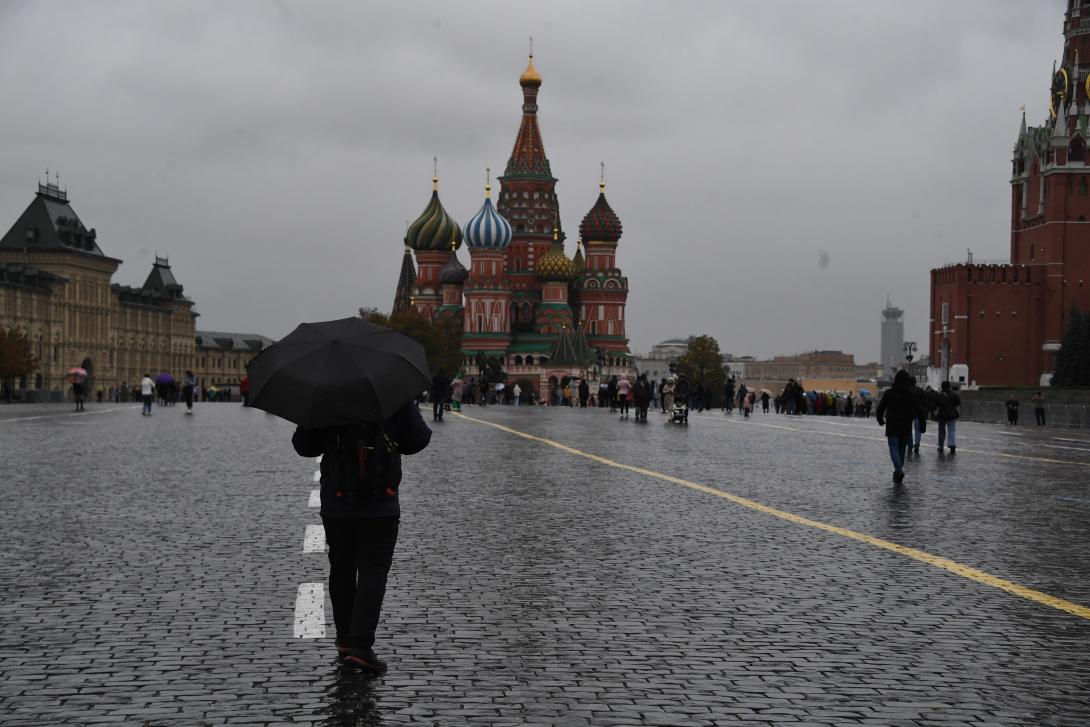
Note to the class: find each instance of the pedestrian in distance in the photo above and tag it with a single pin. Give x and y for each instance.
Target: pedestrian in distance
(78, 392)
(947, 413)
(919, 424)
(189, 385)
(611, 390)
(440, 389)
(1039, 408)
(361, 473)
(1012, 409)
(516, 394)
(624, 394)
(584, 393)
(642, 394)
(147, 393)
(896, 410)
(666, 394)
(764, 402)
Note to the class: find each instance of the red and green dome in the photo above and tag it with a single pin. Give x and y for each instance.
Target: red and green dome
(601, 224)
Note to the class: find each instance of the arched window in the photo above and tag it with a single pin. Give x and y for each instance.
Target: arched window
(518, 360)
(529, 360)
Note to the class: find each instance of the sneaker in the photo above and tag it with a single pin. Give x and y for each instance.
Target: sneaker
(898, 477)
(953, 449)
(915, 449)
(343, 648)
(364, 660)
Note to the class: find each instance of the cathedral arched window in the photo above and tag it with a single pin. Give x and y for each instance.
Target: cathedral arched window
(529, 360)
(518, 360)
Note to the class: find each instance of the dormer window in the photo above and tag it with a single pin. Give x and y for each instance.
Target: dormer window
(32, 234)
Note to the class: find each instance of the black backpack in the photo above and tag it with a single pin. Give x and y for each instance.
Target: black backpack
(367, 461)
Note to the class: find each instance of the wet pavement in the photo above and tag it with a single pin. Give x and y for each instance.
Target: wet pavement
(150, 569)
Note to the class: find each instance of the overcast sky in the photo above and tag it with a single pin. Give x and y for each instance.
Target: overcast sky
(275, 150)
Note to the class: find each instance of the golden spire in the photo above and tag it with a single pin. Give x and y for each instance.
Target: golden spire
(435, 174)
(530, 77)
(602, 183)
(487, 182)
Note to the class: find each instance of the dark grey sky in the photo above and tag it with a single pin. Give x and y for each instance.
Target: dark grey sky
(275, 150)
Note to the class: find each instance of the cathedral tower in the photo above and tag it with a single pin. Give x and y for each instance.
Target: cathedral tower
(487, 328)
(432, 236)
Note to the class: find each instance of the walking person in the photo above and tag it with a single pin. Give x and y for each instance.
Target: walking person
(947, 413)
(361, 472)
(78, 392)
(516, 392)
(624, 392)
(584, 393)
(667, 395)
(189, 384)
(1012, 409)
(896, 410)
(919, 424)
(642, 393)
(147, 393)
(1039, 408)
(440, 389)
(764, 402)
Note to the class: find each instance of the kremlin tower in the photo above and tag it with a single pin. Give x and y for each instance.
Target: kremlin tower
(1001, 325)
(546, 317)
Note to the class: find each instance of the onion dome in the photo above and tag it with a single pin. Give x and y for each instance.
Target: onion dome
(434, 230)
(578, 261)
(555, 265)
(601, 224)
(453, 273)
(487, 230)
(530, 77)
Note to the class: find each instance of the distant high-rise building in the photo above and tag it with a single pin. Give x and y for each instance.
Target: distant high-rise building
(893, 337)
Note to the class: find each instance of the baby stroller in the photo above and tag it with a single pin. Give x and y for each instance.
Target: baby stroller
(679, 413)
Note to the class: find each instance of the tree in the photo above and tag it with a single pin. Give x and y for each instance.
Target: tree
(702, 364)
(440, 337)
(16, 358)
(1073, 359)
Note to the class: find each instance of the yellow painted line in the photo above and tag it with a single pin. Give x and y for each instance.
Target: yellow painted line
(946, 564)
(961, 450)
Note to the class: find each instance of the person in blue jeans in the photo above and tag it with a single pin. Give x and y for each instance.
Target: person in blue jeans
(897, 409)
(947, 415)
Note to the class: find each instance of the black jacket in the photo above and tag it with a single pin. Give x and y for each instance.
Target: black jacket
(406, 428)
(948, 403)
(897, 409)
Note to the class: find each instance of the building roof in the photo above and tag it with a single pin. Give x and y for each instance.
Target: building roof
(601, 223)
(571, 347)
(233, 341)
(50, 223)
(14, 275)
(434, 229)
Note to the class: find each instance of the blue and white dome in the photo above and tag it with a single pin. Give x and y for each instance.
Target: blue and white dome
(487, 229)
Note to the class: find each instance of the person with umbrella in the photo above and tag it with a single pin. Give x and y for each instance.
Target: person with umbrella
(349, 385)
(77, 376)
(189, 385)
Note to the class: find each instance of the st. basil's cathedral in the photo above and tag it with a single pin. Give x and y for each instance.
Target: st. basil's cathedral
(545, 316)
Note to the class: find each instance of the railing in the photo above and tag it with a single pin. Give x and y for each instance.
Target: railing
(1056, 415)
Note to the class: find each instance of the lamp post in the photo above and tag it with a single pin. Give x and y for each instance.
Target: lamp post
(910, 350)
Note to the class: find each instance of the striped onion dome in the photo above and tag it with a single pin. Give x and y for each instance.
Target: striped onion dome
(453, 272)
(434, 230)
(601, 224)
(487, 230)
(555, 265)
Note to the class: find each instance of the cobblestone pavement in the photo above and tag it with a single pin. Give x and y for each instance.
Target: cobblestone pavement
(150, 568)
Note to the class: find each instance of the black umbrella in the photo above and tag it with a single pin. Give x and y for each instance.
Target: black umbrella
(338, 372)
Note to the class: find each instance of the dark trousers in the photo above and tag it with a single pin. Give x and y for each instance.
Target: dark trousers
(437, 408)
(360, 553)
(1040, 414)
(188, 395)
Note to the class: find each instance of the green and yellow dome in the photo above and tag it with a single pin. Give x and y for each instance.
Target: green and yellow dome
(555, 265)
(434, 230)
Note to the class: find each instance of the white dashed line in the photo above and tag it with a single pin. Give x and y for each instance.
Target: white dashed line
(68, 414)
(310, 611)
(314, 540)
(317, 475)
(315, 498)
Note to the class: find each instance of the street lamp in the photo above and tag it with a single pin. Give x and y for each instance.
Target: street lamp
(910, 349)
